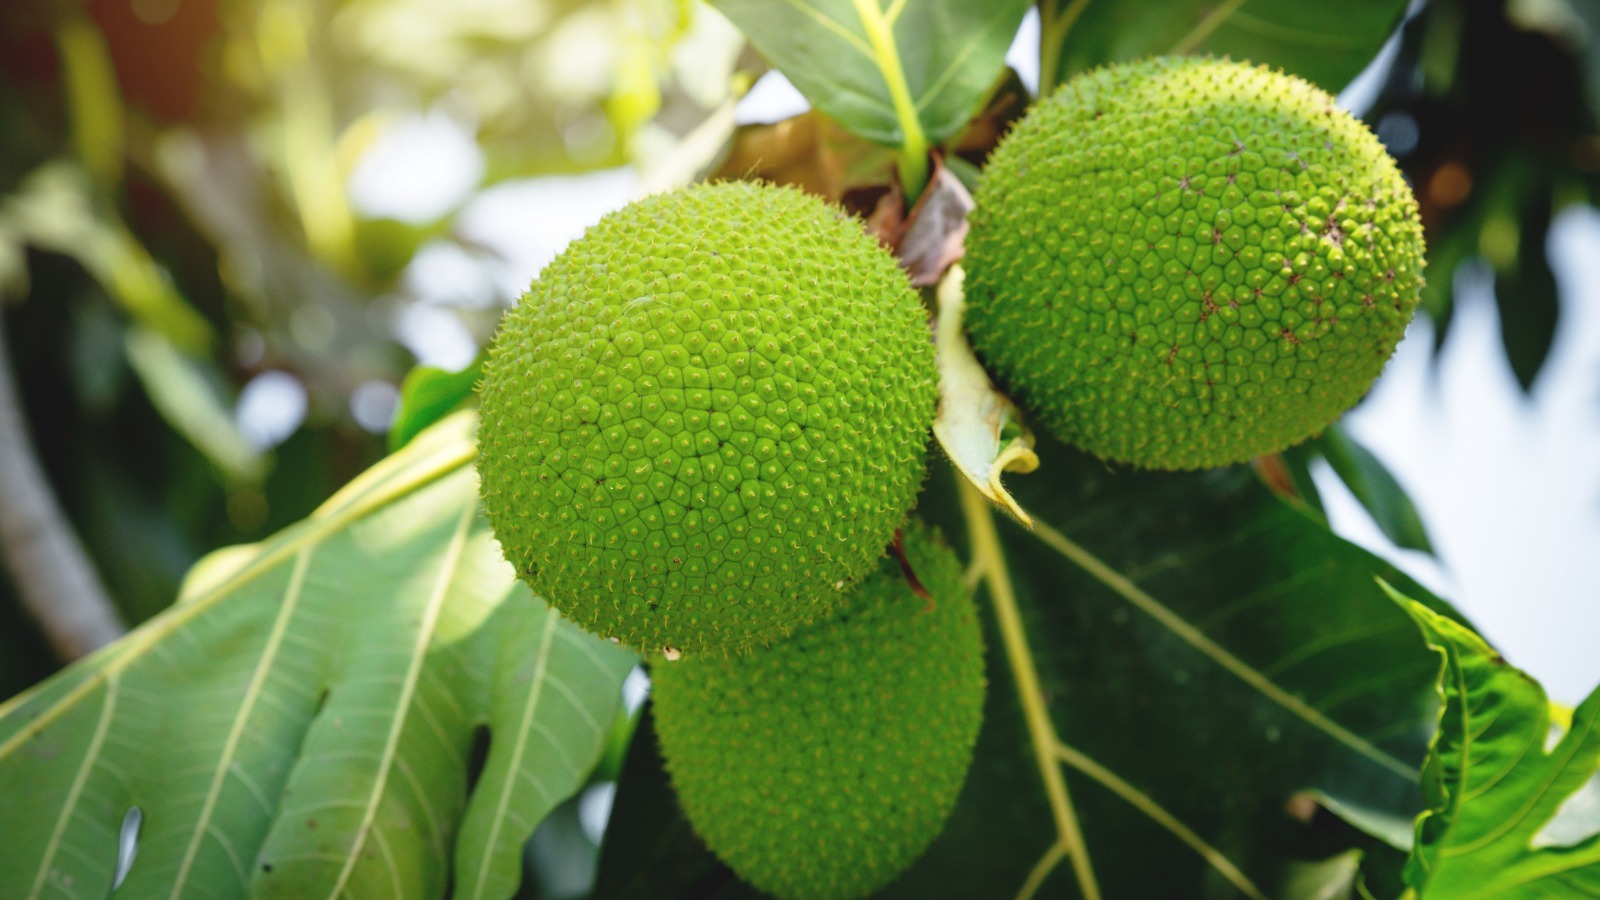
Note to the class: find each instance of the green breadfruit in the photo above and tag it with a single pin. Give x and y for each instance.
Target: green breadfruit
(706, 417)
(824, 766)
(1187, 262)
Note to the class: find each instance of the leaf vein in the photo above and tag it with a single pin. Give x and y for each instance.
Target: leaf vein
(425, 630)
(833, 25)
(1216, 652)
(230, 746)
(69, 806)
(1161, 816)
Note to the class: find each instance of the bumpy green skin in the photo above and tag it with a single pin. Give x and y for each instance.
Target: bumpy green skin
(705, 417)
(1186, 262)
(824, 766)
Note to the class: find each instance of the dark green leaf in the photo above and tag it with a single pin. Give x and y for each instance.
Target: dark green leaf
(1327, 43)
(1375, 487)
(1194, 611)
(1505, 226)
(1524, 286)
(900, 73)
(428, 395)
(1493, 788)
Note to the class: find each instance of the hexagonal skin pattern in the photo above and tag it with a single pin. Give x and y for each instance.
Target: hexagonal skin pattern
(1186, 262)
(706, 417)
(825, 766)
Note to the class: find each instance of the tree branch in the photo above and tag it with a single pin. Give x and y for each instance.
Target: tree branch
(53, 575)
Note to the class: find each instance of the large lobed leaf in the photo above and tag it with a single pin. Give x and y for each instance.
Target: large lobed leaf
(1205, 659)
(1327, 44)
(307, 719)
(1208, 658)
(897, 73)
(1494, 790)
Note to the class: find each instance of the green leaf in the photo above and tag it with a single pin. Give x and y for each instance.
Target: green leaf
(1300, 486)
(303, 720)
(1525, 290)
(904, 74)
(1327, 43)
(1375, 487)
(428, 395)
(1494, 790)
(1323, 879)
(1189, 657)
(1159, 611)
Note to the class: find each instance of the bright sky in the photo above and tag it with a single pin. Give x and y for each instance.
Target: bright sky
(1508, 484)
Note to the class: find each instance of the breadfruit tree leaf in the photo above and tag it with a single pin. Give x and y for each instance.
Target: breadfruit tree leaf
(1327, 42)
(896, 72)
(1375, 487)
(1183, 610)
(308, 718)
(1525, 290)
(429, 394)
(1494, 789)
(1206, 662)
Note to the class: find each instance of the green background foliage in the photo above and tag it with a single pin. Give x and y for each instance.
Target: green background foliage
(1195, 688)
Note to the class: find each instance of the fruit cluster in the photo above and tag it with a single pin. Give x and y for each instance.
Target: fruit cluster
(701, 430)
(707, 420)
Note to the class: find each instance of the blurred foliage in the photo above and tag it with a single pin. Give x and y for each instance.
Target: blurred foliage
(1491, 107)
(176, 220)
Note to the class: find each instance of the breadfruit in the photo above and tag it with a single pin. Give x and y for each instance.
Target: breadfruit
(825, 765)
(1187, 262)
(706, 417)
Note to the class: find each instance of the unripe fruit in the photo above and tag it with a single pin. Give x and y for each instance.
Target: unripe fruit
(825, 765)
(706, 417)
(1186, 262)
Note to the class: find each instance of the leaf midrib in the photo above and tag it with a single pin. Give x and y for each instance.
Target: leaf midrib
(70, 805)
(537, 689)
(430, 620)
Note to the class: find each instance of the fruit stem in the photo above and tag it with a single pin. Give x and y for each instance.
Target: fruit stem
(912, 162)
(989, 559)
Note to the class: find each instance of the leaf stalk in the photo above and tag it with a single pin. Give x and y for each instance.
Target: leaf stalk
(1053, 29)
(988, 558)
(912, 162)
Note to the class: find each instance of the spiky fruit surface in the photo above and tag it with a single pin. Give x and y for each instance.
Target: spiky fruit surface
(705, 415)
(824, 766)
(1186, 262)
